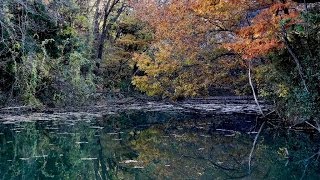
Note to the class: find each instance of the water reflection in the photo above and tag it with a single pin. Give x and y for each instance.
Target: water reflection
(153, 146)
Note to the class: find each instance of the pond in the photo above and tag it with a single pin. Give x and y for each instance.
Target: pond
(154, 145)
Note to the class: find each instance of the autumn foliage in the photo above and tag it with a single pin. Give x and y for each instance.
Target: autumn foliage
(263, 33)
(186, 34)
(189, 34)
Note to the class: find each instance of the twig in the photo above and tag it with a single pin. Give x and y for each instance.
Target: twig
(317, 128)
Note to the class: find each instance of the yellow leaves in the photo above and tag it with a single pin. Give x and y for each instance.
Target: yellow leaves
(143, 61)
(283, 91)
(127, 39)
(143, 83)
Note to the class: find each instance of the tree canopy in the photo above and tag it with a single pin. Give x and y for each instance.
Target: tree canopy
(59, 53)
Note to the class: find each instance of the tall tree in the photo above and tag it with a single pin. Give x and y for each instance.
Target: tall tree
(111, 11)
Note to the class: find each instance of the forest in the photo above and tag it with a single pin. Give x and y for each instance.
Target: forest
(159, 89)
(58, 53)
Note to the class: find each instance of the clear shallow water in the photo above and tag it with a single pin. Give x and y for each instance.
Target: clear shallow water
(153, 146)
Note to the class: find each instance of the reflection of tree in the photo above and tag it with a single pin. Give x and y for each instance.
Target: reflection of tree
(178, 150)
(37, 153)
(185, 154)
(124, 149)
(53, 150)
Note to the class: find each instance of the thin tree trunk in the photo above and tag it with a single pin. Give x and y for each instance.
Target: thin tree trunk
(103, 34)
(252, 88)
(96, 32)
(295, 58)
(105, 27)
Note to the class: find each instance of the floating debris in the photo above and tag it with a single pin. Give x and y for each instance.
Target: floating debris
(17, 129)
(138, 167)
(9, 122)
(24, 159)
(66, 133)
(43, 156)
(206, 136)
(225, 130)
(219, 162)
(88, 159)
(200, 149)
(129, 161)
(96, 127)
(51, 128)
(117, 139)
(82, 142)
(253, 132)
(167, 165)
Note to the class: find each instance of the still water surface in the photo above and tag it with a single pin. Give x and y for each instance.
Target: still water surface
(138, 145)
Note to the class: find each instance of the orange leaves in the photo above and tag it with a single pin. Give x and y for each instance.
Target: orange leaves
(185, 29)
(250, 49)
(264, 33)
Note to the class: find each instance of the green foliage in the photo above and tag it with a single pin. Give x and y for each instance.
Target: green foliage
(76, 86)
(118, 68)
(279, 79)
(44, 58)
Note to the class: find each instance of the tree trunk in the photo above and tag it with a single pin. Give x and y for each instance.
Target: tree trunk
(96, 32)
(253, 90)
(295, 58)
(103, 36)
